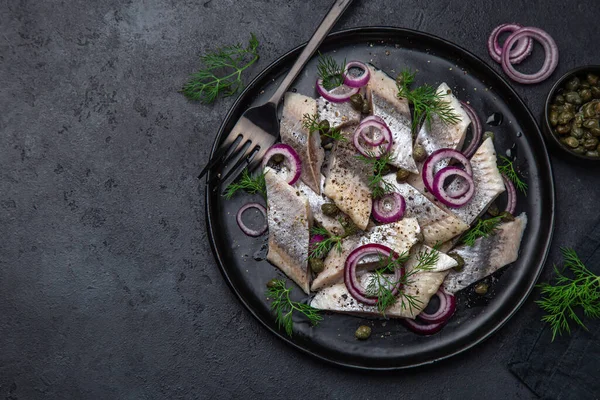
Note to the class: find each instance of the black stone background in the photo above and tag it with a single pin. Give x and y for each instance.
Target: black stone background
(108, 287)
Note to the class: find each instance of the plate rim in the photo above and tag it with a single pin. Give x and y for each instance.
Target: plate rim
(545, 159)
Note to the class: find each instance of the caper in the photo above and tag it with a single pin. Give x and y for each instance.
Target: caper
(324, 126)
(573, 98)
(563, 129)
(506, 216)
(459, 260)
(579, 150)
(587, 135)
(595, 132)
(592, 153)
(357, 101)
(571, 142)
(591, 123)
(552, 117)
(350, 227)
(568, 107)
(493, 210)
(578, 120)
(481, 288)
(573, 84)
(592, 79)
(576, 132)
(597, 107)
(554, 107)
(330, 209)
(585, 94)
(366, 108)
(419, 153)
(595, 92)
(363, 332)
(317, 265)
(590, 144)
(560, 99)
(488, 134)
(565, 116)
(584, 85)
(272, 283)
(278, 158)
(387, 168)
(402, 175)
(588, 110)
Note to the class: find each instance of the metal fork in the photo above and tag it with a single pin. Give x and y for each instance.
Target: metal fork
(258, 128)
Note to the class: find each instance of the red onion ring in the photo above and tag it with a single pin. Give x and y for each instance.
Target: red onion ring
(437, 156)
(550, 62)
(476, 130)
(521, 51)
(335, 98)
(354, 287)
(445, 310)
(387, 213)
(372, 123)
(371, 141)
(423, 329)
(511, 202)
(440, 193)
(243, 227)
(292, 158)
(356, 82)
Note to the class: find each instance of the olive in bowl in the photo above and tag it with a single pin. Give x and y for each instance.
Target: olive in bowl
(572, 114)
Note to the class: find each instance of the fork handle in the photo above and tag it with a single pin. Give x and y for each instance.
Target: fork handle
(337, 9)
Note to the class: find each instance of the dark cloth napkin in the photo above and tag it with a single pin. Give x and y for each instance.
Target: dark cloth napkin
(569, 367)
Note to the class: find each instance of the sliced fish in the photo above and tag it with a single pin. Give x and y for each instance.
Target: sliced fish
(382, 93)
(487, 255)
(399, 236)
(332, 224)
(347, 181)
(488, 183)
(339, 115)
(444, 262)
(437, 225)
(306, 145)
(438, 134)
(289, 219)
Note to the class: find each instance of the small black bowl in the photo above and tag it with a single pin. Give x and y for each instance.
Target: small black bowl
(579, 72)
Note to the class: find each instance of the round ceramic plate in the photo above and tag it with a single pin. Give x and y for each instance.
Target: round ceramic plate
(392, 346)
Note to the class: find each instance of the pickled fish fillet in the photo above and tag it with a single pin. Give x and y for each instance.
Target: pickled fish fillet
(347, 182)
(436, 224)
(488, 183)
(332, 224)
(339, 115)
(487, 255)
(289, 218)
(306, 145)
(422, 286)
(382, 93)
(438, 134)
(399, 236)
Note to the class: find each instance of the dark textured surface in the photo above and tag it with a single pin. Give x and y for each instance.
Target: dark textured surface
(108, 288)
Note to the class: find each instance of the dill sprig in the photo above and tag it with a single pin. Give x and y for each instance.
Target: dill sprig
(561, 300)
(508, 168)
(483, 228)
(381, 284)
(330, 71)
(426, 101)
(312, 124)
(320, 249)
(248, 183)
(378, 186)
(221, 72)
(284, 307)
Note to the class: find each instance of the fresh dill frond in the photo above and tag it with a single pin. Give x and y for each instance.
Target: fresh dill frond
(284, 307)
(508, 169)
(426, 101)
(322, 248)
(378, 186)
(483, 228)
(248, 183)
(330, 72)
(221, 72)
(312, 123)
(561, 300)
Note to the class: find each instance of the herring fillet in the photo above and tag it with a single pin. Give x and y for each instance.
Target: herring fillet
(488, 183)
(399, 236)
(436, 224)
(347, 181)
(339, 115)
(307, 146)
(332, 224)
(289, 219)
(382, 93)
(487, 255)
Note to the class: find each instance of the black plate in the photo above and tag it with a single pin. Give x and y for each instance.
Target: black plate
(391, 346)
